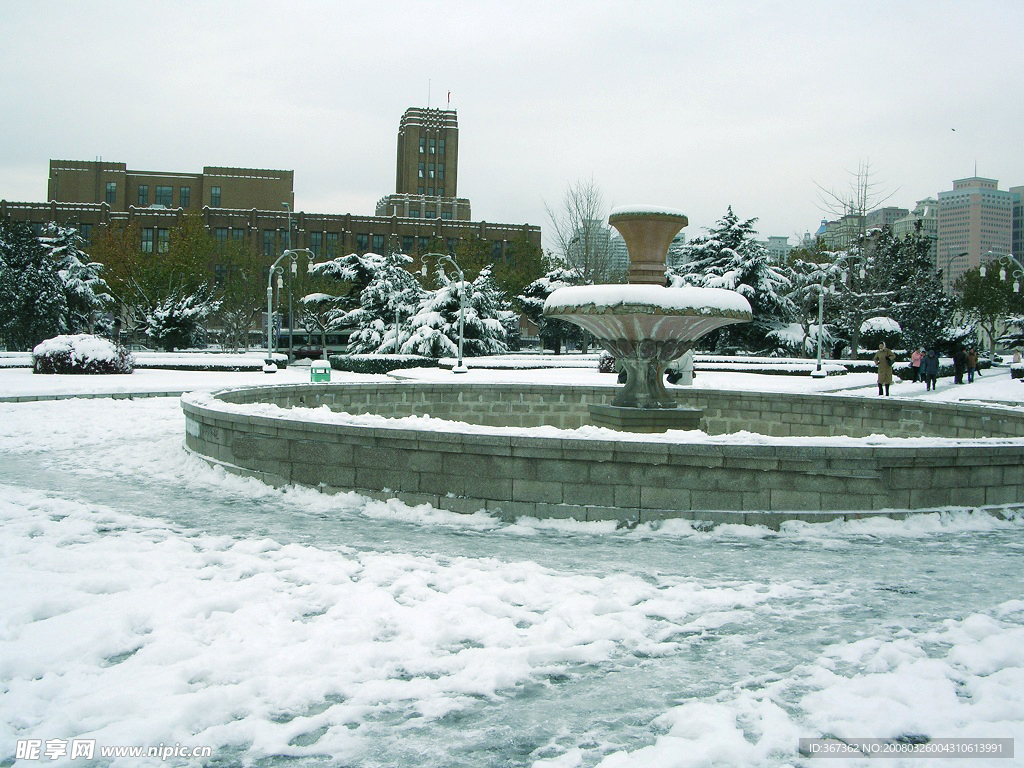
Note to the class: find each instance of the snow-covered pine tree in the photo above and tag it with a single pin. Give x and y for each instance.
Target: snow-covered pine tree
(85, 291)
(391, 291)
(321, 313)
(553, 332)
(178, 321)
(33, 305)
(730, 257)
(435, 326)
(356, 269)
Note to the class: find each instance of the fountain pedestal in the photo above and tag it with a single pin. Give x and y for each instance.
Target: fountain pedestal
(646, 325)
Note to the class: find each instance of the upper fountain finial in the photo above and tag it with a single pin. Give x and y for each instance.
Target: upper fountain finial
(648, 231)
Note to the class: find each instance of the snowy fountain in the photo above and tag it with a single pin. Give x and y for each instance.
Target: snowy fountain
(531, 449)
(646, 325)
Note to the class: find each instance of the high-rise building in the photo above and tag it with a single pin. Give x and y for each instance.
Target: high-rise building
(880, 218)
(926, 216)
(427, 171)
(1018, 222)
(975, 226)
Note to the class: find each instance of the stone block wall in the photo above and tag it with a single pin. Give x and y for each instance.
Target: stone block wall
(629, 480)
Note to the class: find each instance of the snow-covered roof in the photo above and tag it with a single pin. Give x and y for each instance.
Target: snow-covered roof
(682, 300)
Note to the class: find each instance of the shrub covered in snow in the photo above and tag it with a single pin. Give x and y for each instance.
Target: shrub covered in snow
(380, 363)
(81, 353)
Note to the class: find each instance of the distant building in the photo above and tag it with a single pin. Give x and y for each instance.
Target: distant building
(926, 216)
(880, 218)
(1018, 222)
(975, 225)
(87, 181)
(427, 171)
(249, 203)
(777, 247)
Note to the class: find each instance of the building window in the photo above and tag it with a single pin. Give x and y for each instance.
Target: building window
(163, 240)
(414, 213)
(451, 245)
(430, 171)
(143, 194)
(433, 147)
(220, 273)
(440, 147)
(378, 243)
(221, 235)
(237, 235)
(424, 244)
(147, 239)
(316, 242)
(85, 230)
(419, 190)
(268, 242)
(440, 171)
(430, 214)
(111, 192)
(332, 243)
(419, 170)
(215, 197)
(407, 243)
(184, 196)
(163, 196)
(362, 242)
(446, 214)
(423, 144)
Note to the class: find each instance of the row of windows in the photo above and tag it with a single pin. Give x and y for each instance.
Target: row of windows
(161, 236)
(164, 195)
(430, 171)
(434, 146)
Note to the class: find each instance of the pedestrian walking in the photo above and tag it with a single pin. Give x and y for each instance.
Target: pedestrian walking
(972, 364)
(959, 365)
(929, 369)
(915, 364)
(884, 359)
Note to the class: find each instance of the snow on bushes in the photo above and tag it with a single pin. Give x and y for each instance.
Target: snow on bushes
(81, 353)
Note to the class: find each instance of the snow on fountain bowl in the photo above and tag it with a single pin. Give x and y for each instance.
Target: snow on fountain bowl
(644, 324)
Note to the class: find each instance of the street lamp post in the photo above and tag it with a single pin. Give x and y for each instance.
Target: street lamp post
(291, 314)
(269, 365)
(441, 257)
(818, 373)
(1007, 260)
(947, 276)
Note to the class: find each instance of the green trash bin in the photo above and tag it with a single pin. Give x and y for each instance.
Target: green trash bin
(319, 371)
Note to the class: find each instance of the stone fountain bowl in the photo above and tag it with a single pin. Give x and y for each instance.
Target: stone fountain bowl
(649, 322)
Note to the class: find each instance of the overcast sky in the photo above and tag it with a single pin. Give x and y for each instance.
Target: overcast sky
(690, 105)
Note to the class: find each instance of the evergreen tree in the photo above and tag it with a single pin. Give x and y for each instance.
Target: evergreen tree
(33, 304)
(553, 332)
(355, 269)
(392, 292)
(435, 326)
(85, 291)
(321, 313)
(177, 320)
(730, 257)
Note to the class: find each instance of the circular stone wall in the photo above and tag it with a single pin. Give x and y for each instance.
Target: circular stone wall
(627, 477)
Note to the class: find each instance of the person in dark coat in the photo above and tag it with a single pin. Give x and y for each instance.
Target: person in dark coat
(929, 369)
(884, 359)
(959, 365)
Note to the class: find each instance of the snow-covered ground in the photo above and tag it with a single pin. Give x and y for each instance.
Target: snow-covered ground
(152, 600)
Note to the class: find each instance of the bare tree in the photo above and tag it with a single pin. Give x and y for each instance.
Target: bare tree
(850, 240)
(582, 236)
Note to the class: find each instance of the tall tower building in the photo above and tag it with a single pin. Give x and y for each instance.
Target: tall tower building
(427, 170)
(975, 226)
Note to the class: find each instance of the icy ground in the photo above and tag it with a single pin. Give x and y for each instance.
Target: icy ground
(149, 599)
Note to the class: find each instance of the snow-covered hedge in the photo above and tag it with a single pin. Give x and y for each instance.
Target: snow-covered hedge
(379, 363)
(81, 353)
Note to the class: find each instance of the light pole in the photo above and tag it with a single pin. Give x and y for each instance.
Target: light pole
(441, 257)
(1007, 260)
(291, 314)
(817, 372)
(949, 265)
(269, 365)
